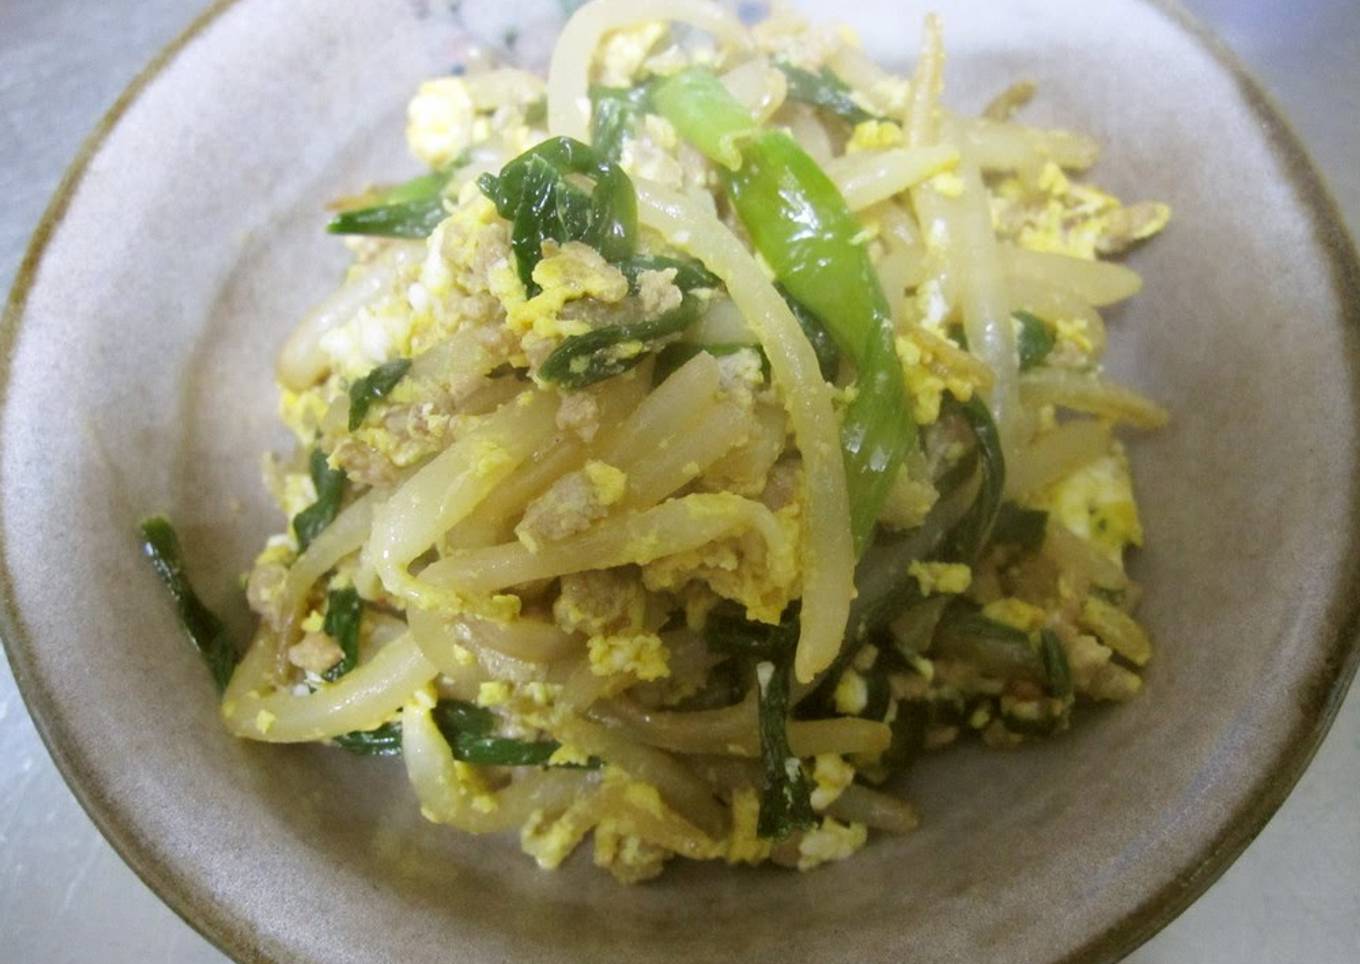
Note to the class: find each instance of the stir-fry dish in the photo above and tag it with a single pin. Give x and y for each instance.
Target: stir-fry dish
(716, 428)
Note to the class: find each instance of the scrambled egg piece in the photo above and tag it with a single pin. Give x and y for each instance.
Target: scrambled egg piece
(744, 844)
(654, 151)
(921, 370)
(628, 857)
(874, 135)
(304, 411)
(641, 654)
(298, 492)
(623, 52)
(947, 184)
(1096, 502)
(759, 572)
(908, 502)
(550, 842)
(494, 693)
(852, 693)
(573, 271)
(941, 577)
(830, 775)
(610, 483)
(465, 278)
(1015, 613)
(375, 334)
(831, 840)
(440, 120)
(1064, 217)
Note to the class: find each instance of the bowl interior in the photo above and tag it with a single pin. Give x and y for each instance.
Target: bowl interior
(140, 380)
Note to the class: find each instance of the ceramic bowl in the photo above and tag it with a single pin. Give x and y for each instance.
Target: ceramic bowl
(138, 352)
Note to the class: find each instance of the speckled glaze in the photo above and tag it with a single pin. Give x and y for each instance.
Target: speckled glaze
(138, 347)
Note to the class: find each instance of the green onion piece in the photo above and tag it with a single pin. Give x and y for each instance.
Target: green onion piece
(1056, 670)
(583, 360)
(613, 112)
(468, 727)
(994, 648)
(501, 751)
(823, 90)
(689, 274)
(464, 717)
(330, 489)
(785, 794)
(374, 386)
(908, 735)
(828, 355)
(705, 114)
(344, 612)
(1035, 340)
(409, 219)
(806, 233)
(968, 537)
(534, 194)
(728, 632)
(420, 188)
(201, 624)
(412, 209)
(382, 741)
(1019, 526)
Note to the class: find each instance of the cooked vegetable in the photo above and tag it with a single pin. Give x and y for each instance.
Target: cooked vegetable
(785, 794)
(460, 716)
(1056, 670)
(376, 385)
(689, 274)
(583, 360)
(586, 504)
(1035, 340)
(994, 648)
(824, 90)
(966, 540)
(613, 112)
(534, 194)
(200, 624)
(1019, 526)
(410, 210)
(729, 633)
(828, 355)
(467, 728)
(500, 751)
(908, 735)
(805, 232)
(344, 612)
(330, 490)
(384, 740)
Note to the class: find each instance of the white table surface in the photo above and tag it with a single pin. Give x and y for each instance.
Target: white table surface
(66, 896)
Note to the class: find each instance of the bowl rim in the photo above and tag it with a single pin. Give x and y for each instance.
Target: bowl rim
(230, 932)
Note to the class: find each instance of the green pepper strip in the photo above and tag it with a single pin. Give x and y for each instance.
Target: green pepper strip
(803, 229)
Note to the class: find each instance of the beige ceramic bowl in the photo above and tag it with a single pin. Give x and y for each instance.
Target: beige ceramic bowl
(187, 239)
